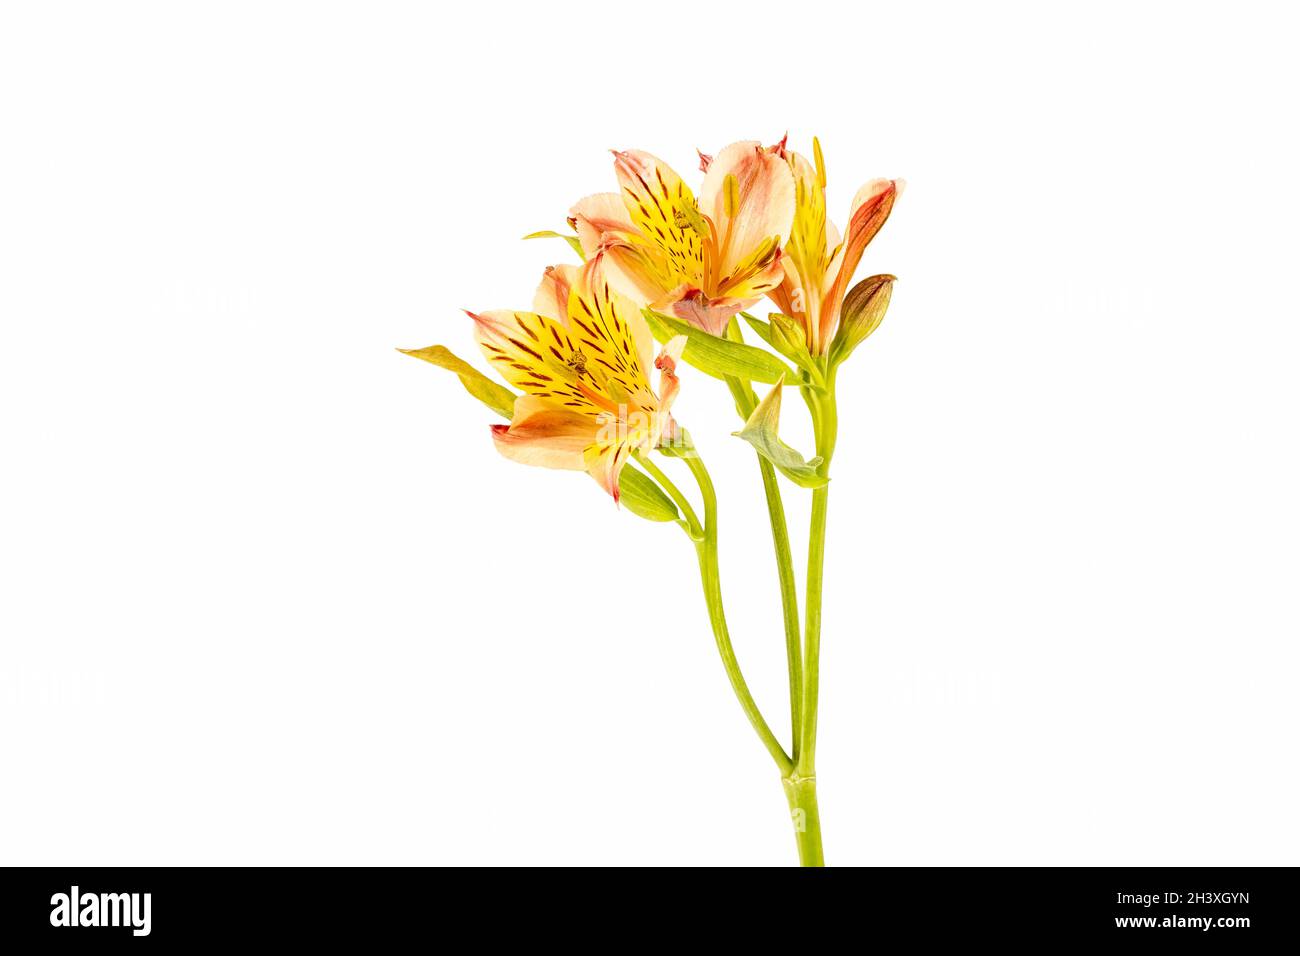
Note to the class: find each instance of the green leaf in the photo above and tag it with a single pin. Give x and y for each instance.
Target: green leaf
(644, 498)
(717, 356)
(552, 234)
(496, 397)
(761, 432)
(863, 311)
(758, 325)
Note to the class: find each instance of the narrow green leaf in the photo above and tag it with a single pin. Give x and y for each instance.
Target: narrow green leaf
(758, 325)
(552, 234)
(717, 356)
(761, 431)
(644, 498)
(863, 311)
(496, 397)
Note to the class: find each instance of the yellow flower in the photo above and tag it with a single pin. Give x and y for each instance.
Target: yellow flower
(818, 264)
(582, 359)
(702, 261)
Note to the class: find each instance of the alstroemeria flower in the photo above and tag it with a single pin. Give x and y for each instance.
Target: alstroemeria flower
(582, 359)
(819, 265)
(704, 261)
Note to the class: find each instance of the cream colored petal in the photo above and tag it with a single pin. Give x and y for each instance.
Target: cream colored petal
(634, 270)
(761, 206)
(593, 216)
(552, 297)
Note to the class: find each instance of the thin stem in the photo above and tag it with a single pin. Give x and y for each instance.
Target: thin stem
(694, 528)
(745, 403)
(789, 596)
(826, 421)
(707, 550)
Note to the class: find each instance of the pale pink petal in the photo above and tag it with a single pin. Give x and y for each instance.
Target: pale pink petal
(596, 215)
(711, 315)
(552, 297)
(764, 207)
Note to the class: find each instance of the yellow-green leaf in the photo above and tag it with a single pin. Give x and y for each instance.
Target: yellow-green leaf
(552, 234)
(716, 356)
(496, 397)
(761, 431)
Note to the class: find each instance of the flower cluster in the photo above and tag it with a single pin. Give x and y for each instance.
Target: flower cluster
(581, 357)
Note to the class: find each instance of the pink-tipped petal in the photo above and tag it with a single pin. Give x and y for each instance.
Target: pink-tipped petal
(552, 296)
(871, 207)
(760, 210)
(542, 434)
(594, 216)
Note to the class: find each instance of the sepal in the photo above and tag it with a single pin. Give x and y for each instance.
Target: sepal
(573, 241)
(496, 397)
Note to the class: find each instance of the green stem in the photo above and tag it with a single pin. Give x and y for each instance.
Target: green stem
(789, 596)
(745, 403)
(801, 793)
(707, 551)
(813, 631)
(801, 785)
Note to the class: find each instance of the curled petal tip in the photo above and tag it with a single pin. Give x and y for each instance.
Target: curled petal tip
(705, 161)
(779, 149)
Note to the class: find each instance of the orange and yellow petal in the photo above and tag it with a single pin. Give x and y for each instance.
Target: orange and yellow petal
(613, 335)
(871, 207)
(664, 211)
(604, 460)
(807, 248)
(542, 434)
(538, 356)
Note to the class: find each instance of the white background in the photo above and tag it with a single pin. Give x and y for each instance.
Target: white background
(270, 596)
